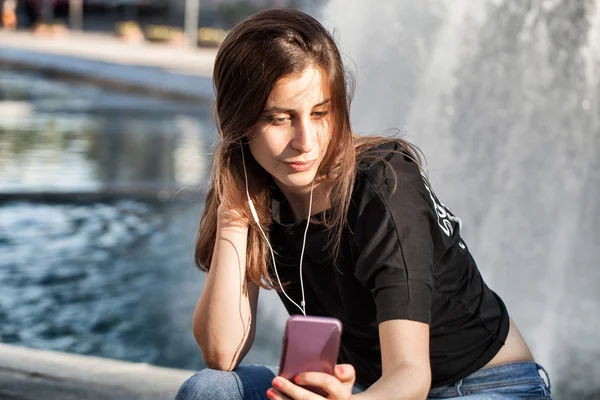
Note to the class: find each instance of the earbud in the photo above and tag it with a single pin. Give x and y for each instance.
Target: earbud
(302, 306)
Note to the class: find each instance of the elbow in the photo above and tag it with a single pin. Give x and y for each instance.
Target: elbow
(219, 361)
(420, 381)
(221, 351)
(218, 355)
(215, 356)
(424, 384)
(425, 393)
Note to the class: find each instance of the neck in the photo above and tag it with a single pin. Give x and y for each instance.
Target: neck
(299, 200)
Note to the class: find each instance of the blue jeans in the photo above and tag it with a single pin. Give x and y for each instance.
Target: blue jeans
(521, 380)
(518, 380)
(247, 382)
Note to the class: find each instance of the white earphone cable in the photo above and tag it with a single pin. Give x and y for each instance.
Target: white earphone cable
(255, 215)
(304, 245)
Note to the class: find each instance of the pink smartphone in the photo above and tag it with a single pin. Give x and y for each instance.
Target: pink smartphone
(310, 344)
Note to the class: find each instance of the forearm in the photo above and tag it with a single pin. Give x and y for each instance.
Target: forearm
(223, 316)
(407, 381)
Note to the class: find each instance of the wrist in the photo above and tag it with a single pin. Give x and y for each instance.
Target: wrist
(228, 217)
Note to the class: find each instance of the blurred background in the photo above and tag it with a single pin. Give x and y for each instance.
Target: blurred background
(105, 140)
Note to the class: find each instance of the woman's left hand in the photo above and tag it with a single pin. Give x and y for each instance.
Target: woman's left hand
(339, 386)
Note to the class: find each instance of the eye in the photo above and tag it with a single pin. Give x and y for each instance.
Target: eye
(277, 120)
(320, 114)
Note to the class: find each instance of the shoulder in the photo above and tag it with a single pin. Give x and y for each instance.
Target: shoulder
(391, 185)
(388, 168)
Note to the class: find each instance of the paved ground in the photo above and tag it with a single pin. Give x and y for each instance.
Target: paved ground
(149, 68)
(108, 48)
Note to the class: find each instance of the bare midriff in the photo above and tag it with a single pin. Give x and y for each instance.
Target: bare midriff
(514, 349)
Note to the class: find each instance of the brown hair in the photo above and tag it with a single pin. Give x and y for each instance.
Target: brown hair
(259, 51)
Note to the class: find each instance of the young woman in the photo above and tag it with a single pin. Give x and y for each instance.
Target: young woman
(342, 226)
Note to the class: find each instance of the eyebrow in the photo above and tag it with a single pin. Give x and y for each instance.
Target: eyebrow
(277, 110)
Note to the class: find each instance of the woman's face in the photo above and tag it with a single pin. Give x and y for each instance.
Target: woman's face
(292, 134)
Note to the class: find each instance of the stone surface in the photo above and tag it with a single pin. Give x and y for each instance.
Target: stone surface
(40, 374)
(152, 69)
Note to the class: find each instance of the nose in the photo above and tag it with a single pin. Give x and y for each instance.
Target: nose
(305, 136)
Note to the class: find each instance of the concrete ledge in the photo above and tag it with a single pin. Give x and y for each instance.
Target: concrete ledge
(104, 194)
(179, 73)
(148, 81)
(40, 374)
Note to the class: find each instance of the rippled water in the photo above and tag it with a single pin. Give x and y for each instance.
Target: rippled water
(57, 136)
(98, 279)
(109, 273)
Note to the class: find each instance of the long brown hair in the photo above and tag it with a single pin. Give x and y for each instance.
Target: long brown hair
(259, 51)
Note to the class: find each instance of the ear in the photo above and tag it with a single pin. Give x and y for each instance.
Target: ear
(246, 140)
(249, 135)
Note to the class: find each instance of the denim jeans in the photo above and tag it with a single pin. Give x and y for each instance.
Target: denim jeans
(518, 380)
(521, 380)
(247, 382)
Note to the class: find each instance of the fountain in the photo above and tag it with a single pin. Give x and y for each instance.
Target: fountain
(502, 97)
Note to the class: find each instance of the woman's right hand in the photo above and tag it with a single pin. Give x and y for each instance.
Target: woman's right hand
(229, 207)
(229, 217)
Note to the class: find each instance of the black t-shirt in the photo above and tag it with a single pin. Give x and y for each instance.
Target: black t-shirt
(401, 257)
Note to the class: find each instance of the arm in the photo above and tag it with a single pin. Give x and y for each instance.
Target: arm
(394, 258)
(395, 236)
(406, 371)
(224, 319)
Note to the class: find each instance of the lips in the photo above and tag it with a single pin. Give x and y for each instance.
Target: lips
(300, 165)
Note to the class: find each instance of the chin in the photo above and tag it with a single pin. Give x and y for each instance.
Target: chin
(298, 180)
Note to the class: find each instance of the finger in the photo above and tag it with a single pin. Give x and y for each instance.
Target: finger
(345, 373)
(287, 388)
(275, 394)
(328, 383)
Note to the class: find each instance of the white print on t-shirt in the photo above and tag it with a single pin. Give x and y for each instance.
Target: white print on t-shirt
(444, 215)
